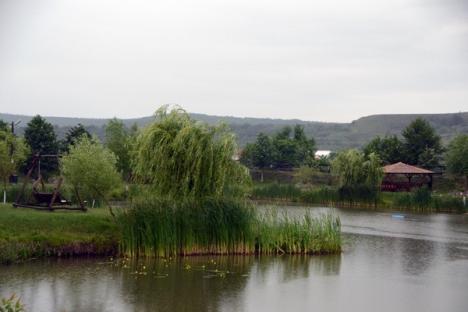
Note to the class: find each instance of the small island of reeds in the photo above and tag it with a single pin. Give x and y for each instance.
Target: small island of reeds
(195, 201)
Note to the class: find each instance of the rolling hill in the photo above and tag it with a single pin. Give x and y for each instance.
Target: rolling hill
(333, 136)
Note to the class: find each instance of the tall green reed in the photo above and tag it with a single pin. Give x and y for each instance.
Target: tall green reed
(164, 227)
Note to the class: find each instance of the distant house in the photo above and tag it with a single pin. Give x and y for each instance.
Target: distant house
(322, 153)
(403, 177)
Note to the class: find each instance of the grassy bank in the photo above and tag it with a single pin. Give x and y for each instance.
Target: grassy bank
(26, 234)
(161, 227)
(419, 201)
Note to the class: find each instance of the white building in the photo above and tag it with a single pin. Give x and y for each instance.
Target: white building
(322, 153)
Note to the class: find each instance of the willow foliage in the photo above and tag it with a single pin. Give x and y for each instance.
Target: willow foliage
(184, 158)
(353, 168)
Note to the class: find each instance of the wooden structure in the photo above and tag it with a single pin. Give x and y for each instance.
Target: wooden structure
(403, 177)
(41, 199)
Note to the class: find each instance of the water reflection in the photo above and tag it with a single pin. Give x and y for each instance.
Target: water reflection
(200, 283)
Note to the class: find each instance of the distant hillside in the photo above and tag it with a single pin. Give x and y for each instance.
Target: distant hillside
(333, 136)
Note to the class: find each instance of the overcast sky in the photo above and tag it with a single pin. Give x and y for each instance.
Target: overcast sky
(323, 60)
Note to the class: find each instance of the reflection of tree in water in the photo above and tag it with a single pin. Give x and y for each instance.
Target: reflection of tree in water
(291, 267)
(417, 255)
(71, 285)
(186, 284)
(183, 284)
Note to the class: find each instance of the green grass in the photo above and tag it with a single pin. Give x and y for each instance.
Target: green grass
(420, 200)
(277, 191)
(163, 228)
(280, 234)
(27, 233)
(423, 201)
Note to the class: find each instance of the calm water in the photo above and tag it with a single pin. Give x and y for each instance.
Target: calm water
(419, 263)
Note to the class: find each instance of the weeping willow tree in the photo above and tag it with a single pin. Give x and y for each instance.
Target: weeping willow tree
(193, 209)
(359, 176)
(180, 157)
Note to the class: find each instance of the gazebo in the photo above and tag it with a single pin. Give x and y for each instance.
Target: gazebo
(403, 177)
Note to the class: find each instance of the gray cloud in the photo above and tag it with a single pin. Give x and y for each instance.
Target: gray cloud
(323, 60)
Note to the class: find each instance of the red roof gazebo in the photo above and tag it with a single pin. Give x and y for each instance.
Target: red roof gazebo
(391, 183)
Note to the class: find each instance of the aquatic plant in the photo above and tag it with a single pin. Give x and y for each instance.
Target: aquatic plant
(288, 191)
(423, 200)
(11, 304)
(163, 228)
(420, 200)
(281, 234)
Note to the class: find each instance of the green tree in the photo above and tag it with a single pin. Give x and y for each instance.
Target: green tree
(389, 149)
(13, 152)
(73, 135)
(305, 147)
(3, 126)
(41, 139)
(183, 158)
(90, 168)
(258, 155)
(359, 177)
(291, 148)
(263, 152)
(247, 155)
(118, 140)
(457, 157)
(421, 144)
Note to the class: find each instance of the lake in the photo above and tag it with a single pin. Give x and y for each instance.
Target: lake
(390, 262)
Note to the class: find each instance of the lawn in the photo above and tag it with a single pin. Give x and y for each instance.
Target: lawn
(27, 233)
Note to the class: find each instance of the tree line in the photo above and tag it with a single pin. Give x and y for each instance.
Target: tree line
(94, 166)
(289, 148)
(40, 138)
(418, 145)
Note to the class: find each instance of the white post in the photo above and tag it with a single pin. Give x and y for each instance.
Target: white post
(4, 196)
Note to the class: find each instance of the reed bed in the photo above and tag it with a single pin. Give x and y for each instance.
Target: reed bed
(156, 227)
(420, 200)
(277, 191)
(281, 234)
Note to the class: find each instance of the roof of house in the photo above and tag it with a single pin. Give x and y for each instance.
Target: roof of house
(402, 168)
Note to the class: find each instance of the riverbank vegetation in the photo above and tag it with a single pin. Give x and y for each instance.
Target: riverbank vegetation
(196, 203)
(184, 193)
(420, 200)
(353, 178)
(164, 227)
